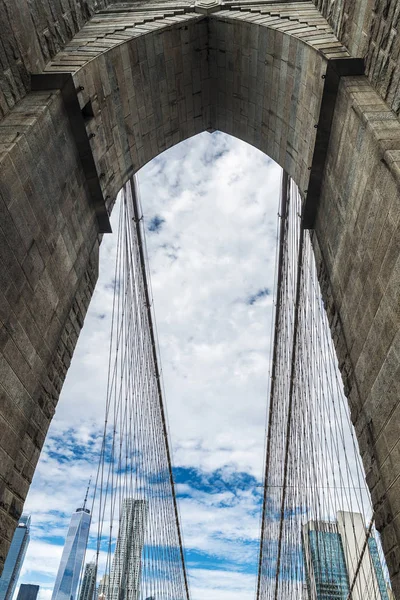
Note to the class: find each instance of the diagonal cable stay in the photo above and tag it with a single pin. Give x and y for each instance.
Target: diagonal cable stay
(135, 522)
(318, 540)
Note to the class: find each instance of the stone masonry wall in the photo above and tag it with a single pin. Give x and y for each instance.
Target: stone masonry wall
(31, 33)
(357, 248)
(49, 254)
(370, 29)
(179, 73)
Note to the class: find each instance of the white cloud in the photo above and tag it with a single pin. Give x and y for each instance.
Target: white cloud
(43, 557)
(45, 593)
(224, 525)
(221, 585)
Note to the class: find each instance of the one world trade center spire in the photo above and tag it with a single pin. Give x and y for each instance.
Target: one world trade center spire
(67, 579)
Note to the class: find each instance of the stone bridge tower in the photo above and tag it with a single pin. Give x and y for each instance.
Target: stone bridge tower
(90, 90)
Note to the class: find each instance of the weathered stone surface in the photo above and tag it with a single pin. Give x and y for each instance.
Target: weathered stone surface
(49, 269)
(370, 29)
(34, 31)
(202, 75)
(153, 75)
(31, 33)
(358, 247)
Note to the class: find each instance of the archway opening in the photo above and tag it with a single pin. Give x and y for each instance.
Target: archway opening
(210, 206)
(210, 209)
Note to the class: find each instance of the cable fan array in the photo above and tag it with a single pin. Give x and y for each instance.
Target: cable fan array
(318, 540)
(134, 514)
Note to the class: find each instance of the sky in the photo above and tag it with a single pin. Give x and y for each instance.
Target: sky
(210, 207)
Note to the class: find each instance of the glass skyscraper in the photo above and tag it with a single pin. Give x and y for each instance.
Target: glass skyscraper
(328, 565)
(15, 558)
(336, 555)
(89, 582)
(27, 591)
(69, 571)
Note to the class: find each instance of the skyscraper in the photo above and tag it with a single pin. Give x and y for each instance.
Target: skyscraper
(89, 582)
(27, 591)
(125, 572)
(15, 558)
(339, 554)
(69, 571)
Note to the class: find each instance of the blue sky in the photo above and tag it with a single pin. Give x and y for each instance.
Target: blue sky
(210, 208)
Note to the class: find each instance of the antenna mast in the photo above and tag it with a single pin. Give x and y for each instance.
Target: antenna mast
(87, 492)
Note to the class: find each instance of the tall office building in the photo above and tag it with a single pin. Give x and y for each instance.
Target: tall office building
(15, 558)
(125, 575)
(89, 582)
(69, 571)
(27, 591)
(338, 554)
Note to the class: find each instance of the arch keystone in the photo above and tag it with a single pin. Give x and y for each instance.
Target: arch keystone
(207, 7)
